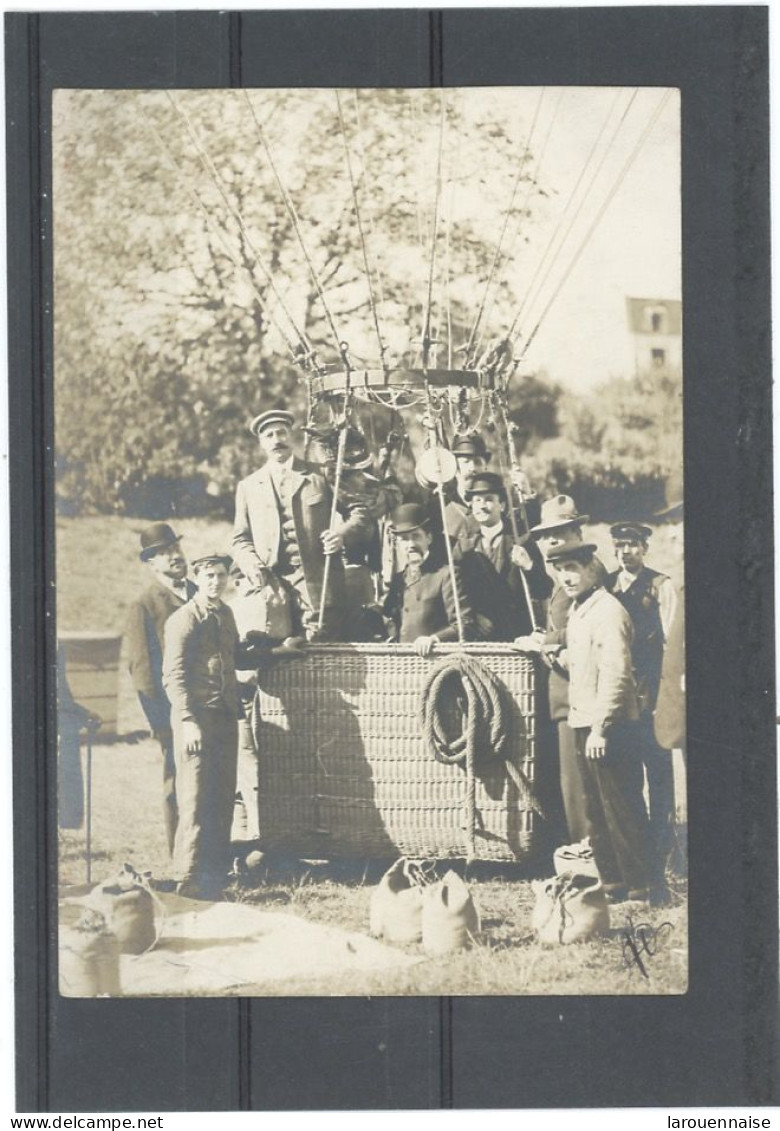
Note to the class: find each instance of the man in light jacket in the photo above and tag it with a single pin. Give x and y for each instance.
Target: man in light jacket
(602, 700)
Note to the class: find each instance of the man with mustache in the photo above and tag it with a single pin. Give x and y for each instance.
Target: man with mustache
(168, 590)
(421, 598)
(282, 533)
(602, 704)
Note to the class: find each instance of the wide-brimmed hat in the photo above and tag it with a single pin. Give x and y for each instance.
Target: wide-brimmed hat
(485, 483)
(157, 537)
(408, 517)
(630, 532)
(469, 445)
(577, 551)
(214, 557)
(273, 416)
(560, 510)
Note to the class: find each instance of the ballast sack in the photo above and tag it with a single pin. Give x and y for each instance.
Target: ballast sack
(569, 908)
(397, 903)
(577, 858)
(89, 958)
(128, 905)
(450, 919)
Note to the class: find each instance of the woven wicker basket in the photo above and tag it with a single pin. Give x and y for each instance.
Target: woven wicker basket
(344, 769)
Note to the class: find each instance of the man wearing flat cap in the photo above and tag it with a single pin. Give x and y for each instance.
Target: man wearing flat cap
(282, 530)
(167, 591)
(199, 675)
(493, 566)
(421, 599)
(649, 598)
(602, 705)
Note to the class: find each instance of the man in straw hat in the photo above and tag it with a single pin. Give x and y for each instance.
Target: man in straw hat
(167, 591)
(199, 675)
(602, 701)
(283, 532)
(421, 600)
(649, 599)
(492, 565)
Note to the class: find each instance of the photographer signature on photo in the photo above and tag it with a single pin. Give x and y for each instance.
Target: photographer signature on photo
(638, 939)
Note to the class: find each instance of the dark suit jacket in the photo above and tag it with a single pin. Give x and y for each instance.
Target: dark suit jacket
(427, 605)
(495, 588)
(257, 528)
(144, 636)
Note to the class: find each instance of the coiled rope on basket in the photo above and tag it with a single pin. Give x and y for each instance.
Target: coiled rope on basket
(487, 721)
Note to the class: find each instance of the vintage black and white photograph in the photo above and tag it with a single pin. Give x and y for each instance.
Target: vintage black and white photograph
(369, 542)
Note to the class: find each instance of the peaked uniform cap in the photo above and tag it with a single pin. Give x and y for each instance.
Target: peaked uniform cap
(630, 532)
(273, 416)
(156, 537)
(561, 510)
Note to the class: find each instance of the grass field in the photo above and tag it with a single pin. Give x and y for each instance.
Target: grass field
(98, 574)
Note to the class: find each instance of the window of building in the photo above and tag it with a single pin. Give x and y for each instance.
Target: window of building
(659, 358)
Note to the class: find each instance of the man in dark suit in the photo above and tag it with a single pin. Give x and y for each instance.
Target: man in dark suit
(493, 567)
(168, 590)
(421, 601)
(283, 528)
(649, 598)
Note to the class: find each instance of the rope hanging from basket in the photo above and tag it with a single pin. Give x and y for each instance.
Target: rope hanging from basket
(486, 729)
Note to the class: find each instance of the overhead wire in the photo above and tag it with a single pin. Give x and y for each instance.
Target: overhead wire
(426, 336)
(526, 300)
(534, 180)
(602, 209)
(372, 303)
(293, 214)
(499, 244)
(211, 169)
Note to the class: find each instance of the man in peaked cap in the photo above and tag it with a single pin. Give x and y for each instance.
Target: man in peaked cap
(201, 654)
(602, 706)
(283, 528)
(167, 591)
(649, 598)
(421, 598)
(493, 566)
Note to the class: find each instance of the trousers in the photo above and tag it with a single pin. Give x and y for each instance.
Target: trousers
(206, 788)
(572, 784)
(615, 809)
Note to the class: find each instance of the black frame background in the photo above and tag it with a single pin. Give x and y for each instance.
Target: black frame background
(717, 1044)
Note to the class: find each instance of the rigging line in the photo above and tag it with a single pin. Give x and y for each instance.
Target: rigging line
(534, 181)
(497, 253)
(526, 301)
(213, 172)
(426, 340)
(370, 216)
(372, 303)
(296, 225)
(605, 204)
(239, 265)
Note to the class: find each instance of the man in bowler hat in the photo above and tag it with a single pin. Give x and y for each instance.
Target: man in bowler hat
(167, 591)
(283, 531)
(493, 565)
(421, 599)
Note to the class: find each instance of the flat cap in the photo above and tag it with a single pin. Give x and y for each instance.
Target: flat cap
(213, 558)
(272, 416)
(579, 551)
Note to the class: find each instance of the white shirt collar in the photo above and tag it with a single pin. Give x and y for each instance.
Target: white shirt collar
(177, 587)
(277, 468)
(490, 533)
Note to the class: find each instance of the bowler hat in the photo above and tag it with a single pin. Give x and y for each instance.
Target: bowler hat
(560, 510)
(215, 557)
(630, 532)
(578, 551)
(408, 517)
(156, 537)
(469, 445)
(273, 416)
(485, 483)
